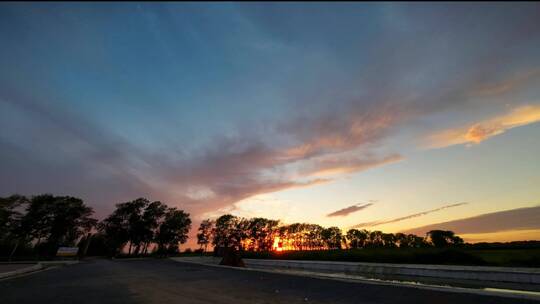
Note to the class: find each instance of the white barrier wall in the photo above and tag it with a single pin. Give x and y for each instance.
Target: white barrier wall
(480, 273)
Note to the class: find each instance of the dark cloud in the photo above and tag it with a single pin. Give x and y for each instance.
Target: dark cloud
(349, 210)
(514, 219)
(399, 219)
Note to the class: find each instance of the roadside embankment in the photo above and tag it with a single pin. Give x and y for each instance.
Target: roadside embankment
(8, 270)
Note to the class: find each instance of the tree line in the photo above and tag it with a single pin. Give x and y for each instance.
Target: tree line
(38, 225)
(261, 234)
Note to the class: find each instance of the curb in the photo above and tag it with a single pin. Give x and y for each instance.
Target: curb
(503, 293)
(9, 274)
(43, 265)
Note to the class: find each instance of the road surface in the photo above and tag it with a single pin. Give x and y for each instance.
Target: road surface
(165, 281)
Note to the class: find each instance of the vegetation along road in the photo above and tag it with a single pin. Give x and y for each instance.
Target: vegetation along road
(164, 281)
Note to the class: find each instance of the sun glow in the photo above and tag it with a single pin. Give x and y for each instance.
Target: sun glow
(278, 244)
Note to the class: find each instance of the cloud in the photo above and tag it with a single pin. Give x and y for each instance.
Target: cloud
(349, 210)
(481, 131)
(338, 131)
(514, 219)
(509, 84)
(399, 219)
(333, 165)
(339, 96)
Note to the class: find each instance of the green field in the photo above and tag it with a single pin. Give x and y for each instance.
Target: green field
(450, 256)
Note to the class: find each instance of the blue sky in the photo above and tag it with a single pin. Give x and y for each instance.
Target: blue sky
(255, 108)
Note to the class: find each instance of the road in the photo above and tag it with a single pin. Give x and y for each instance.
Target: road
(165, 281)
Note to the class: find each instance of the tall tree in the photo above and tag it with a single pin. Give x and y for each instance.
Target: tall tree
(260, 232)
(389, 240)
(229, 232)
(173, 230)
(56, 220)
(71, 219)
(12, 233)
(443, 238)
(332, 237)
(151, 219)
(314, 236)
(204, 235)
(125, 225)
(357, 238)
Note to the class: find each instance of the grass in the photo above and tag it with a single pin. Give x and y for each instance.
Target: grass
(446, 256)
(509, 257)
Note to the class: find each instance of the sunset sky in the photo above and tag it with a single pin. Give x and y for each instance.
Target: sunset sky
(382, 116)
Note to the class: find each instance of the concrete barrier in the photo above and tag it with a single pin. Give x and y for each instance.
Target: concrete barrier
(475, 273)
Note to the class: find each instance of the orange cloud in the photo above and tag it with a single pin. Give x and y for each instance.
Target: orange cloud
(481, 131)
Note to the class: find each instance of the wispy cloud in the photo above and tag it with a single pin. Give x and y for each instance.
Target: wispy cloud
(349, 210)
(509, 84)
(481, 131)
(514, 219)
(399, 219)
(343, 165)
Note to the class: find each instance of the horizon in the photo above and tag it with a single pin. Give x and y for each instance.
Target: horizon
(383, 116)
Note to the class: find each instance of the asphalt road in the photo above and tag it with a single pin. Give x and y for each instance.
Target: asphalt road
(164, 281)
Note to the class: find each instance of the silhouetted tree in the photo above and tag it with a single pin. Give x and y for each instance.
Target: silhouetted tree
(332, 237)
(121, 226)
(46, 220)
(223, 231)
(260, 233)
(56, 220)
(357, 238)
(152, 218)
(173, 231)
(443, 238)
(412, 241)
(204, 236)
(376, 239)
(230, 231)
(313, 236)
(133, 223)
(12, 233)
(389, 240)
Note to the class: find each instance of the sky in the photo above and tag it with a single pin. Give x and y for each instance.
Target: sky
(384, 116)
